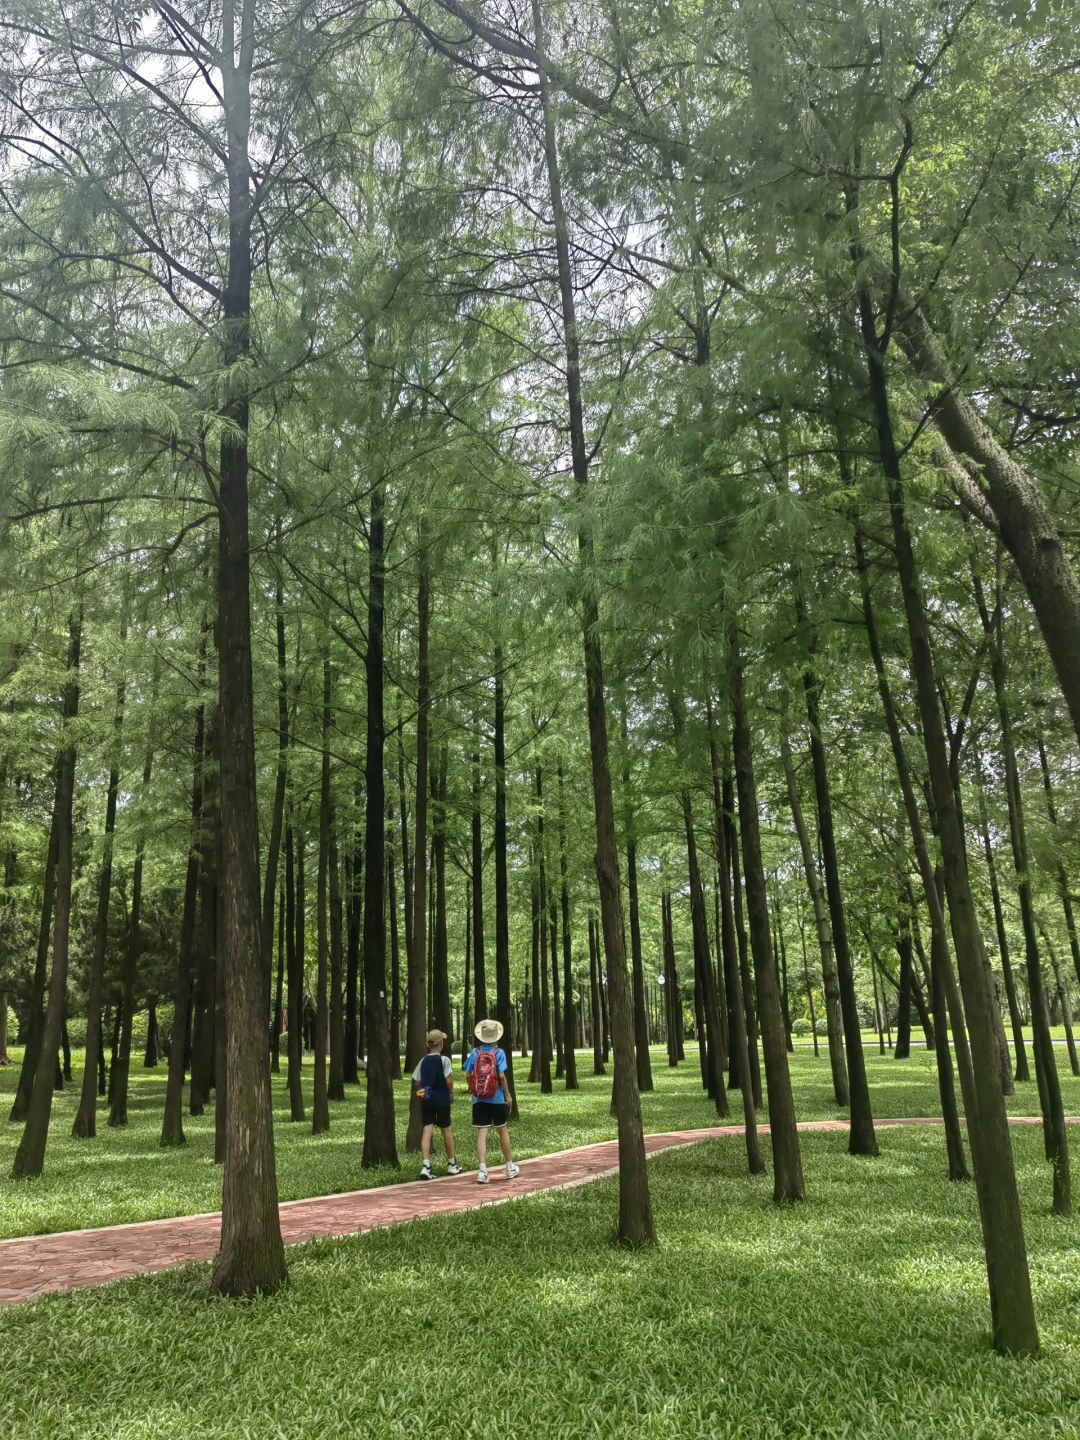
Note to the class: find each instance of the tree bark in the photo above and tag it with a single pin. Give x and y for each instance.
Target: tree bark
(480, 995)
(395, 950)
(823, 925)
(85, 1125)
(380, 1140)
(277, 815)
(1012, 1309)
(569, 1017)
(1062, 878)
(416, 1022)
(30, 1156)
(749, 1004)
(440, 998)
(641, 1018)
(541, 924)
(504, 1005)
(20, 1107)
(595, 1024)
(294, 965)
(787, 1162)
(320, 1109)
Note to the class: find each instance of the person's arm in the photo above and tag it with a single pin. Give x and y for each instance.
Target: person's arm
(448, 1074)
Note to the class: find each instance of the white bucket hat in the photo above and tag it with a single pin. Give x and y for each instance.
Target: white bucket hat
(488, 1032)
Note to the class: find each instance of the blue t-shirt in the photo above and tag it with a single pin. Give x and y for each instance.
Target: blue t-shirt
(502, 1095)
(432, 1073)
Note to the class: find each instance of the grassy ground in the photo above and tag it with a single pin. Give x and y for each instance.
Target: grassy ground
(123, 1175)
(861, 1313)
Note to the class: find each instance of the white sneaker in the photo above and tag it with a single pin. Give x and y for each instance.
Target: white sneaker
(453, 1167)
(482, 1175)
(512, 1169)
(425, 1173)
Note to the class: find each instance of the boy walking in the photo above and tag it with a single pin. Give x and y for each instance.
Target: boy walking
(486, 1069)
(435, 1079)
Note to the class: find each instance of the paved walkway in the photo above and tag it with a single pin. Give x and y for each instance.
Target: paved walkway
(41, 1264)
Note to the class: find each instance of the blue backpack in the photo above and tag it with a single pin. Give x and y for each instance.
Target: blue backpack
(433, 1081)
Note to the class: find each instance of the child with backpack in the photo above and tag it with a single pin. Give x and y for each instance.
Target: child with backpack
(435, 1079)
(486, 1069)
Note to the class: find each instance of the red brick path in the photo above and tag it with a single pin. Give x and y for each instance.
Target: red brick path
(40, 1264)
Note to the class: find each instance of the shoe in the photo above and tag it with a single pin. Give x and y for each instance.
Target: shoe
(425, 1173)
(482, 1175)
(453, 1168)
(512, 1169)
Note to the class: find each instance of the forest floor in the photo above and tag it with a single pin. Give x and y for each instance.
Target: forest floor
(124, 1176)
(861, 1312)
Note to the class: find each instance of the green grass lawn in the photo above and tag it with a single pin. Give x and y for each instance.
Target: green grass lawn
(860, 1313)
(123, 1175)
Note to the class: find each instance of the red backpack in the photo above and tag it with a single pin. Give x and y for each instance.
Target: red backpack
(484, 1076)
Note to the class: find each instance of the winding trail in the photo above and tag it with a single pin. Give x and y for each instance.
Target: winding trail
(42, 1264)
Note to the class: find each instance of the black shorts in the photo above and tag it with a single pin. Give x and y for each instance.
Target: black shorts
(436, 1115)
(486, 1112)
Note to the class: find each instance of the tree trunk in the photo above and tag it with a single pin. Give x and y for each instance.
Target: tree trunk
(1062, 878)
(641, 1018)
(749, 1005)
(354, 867)
(20, 1108)
(337, 1013)
(944, 994)
(596, 1027)
(251, 1257)
(150, 1055)
(277, 815)
(902, 1050)
(118, 1107)
(416, 1021)
(85, 1126)
(380, 1140)
(635, 1209)
(395, 950)
(1063, 1001)
(30, 1156)
(861, 1138)
(787, 1162)
(320, 1109)
(279, 989)
(1012, 1310)
(823, 925)
(294, 965)
(1021, 1070)
(440, 999)
(541, 922)
(1027, 526)
(569, 1018)
(480, 995)
(504, 1007)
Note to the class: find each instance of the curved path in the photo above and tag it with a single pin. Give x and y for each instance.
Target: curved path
(41, 1264)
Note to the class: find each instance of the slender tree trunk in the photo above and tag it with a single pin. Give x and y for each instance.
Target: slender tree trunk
(354, 888)
(504, 1009)
(395, 949)
(541, 923)
(172, 1125)
(1062, 878)
(336, 1089)
(569, 1018)
(251, 1256)
(635, 1208)
(830, 984)
(294, 964)
(1012, 1309)
(944, 993)
(641, 1019)
(781, 950)
(749, 1005)
(597, 1028)
(1063, 1001)
(861, 1139)
(1021, 1070)
(787, 1162)
(85, 1126)
(118, 1108)
(277, 815)
(480, 1001)
(320, 1109)
(809, 984)
(440, 1000)
(30, 1156)
(904, 985)
(20, 1108)
(279, 988)
(380, 1140)
(416, 1021)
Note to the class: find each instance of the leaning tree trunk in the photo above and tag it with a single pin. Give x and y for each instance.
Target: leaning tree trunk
(1027, 526)
(380, 1139)
(30, 1156)
(1011, 1305)
(85, 1126)
(945, 997)
(251, 1256)
(416, 1020)
(829, 982)
(784, 1134)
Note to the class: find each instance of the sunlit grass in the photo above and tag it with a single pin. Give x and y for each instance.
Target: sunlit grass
(123, 1175)
(861, 1313)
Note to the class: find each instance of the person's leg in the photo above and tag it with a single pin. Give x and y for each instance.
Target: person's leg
(425, 1143)
(481, 1146)
(504, 1141)
(448, 1141)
